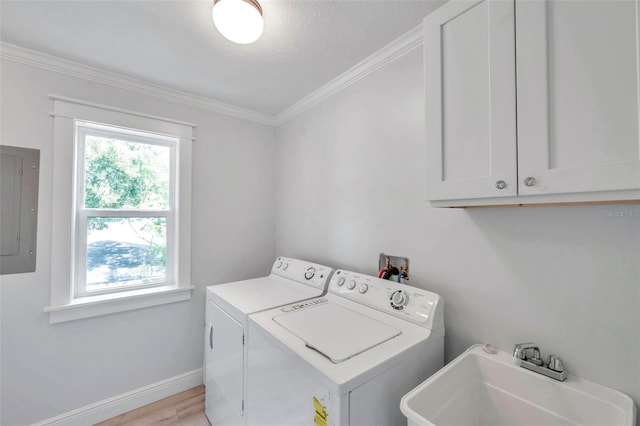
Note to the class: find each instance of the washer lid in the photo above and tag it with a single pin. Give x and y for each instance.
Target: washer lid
(336, 332)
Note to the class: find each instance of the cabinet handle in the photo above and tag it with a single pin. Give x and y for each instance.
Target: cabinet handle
(501, 184)
(530, 181)
(211, 336)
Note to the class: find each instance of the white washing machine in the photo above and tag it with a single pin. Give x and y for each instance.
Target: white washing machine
(346, 358)
(227, 310)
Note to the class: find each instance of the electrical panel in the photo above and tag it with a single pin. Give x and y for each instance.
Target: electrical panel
(19, 171)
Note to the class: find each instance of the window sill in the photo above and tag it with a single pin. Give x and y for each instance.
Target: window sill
(94, 306)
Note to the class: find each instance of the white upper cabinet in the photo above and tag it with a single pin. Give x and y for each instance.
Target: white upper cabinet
(577, 76)
(573, 68)
(471, 100)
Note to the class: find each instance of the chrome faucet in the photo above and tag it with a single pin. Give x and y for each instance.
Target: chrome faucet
(527, 355)
(521, 349)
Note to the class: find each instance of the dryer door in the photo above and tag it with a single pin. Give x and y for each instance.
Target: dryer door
(224, 343)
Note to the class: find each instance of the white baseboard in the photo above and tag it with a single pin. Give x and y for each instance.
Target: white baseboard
(114, 406)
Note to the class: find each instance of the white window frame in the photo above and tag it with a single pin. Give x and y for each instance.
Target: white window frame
(82, 130)
(68, 301)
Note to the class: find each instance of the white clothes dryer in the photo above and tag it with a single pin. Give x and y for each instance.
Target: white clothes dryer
(344, 359)
(227, 310)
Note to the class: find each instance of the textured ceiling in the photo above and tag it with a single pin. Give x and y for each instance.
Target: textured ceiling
(305, 44)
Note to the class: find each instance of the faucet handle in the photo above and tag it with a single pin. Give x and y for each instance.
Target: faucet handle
(555, 363)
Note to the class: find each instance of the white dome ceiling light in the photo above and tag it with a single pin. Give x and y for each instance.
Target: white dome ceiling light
(238, 20)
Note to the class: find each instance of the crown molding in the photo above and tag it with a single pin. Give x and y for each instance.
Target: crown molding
(390, 52)
(52, 63)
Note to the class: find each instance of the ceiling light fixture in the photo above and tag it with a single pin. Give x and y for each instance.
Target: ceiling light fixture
(238, 20)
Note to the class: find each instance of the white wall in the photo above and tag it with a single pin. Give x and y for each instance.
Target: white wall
(47, 369)
(349, 175)
(350, 184)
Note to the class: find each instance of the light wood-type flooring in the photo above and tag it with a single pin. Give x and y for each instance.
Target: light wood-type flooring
(183, 409)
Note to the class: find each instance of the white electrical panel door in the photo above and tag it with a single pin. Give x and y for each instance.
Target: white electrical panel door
(577, 73)
(11, 188)
(224, 370)
(19, 178)
(469, 54)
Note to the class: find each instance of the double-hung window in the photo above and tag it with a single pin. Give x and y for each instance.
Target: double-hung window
(124, 210)
(121, 211)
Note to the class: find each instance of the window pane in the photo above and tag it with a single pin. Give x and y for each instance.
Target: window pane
(121, 174)
(125, 252)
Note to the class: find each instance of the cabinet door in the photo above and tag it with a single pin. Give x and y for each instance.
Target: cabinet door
(224, 368)
(577, 73)
(469, 54)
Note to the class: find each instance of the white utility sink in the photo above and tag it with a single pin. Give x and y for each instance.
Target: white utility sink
(479, 388)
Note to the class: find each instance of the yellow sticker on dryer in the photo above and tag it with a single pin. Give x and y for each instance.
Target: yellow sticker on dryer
(320, 418)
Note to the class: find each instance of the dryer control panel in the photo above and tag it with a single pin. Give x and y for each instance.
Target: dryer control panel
(304, 272)
(411, 303)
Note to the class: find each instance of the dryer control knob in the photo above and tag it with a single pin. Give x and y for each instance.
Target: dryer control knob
(351, 285)
(363, 288)
(310, 272)
(285, 266)
(399, 300)
(278, 264)
(341, 281)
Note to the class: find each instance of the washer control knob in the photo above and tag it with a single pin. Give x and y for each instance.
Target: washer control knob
(363, 288)
(399, 299)
(285, 266)
(310, 272)
(351, 285)
(278, 264)
(341, 281)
